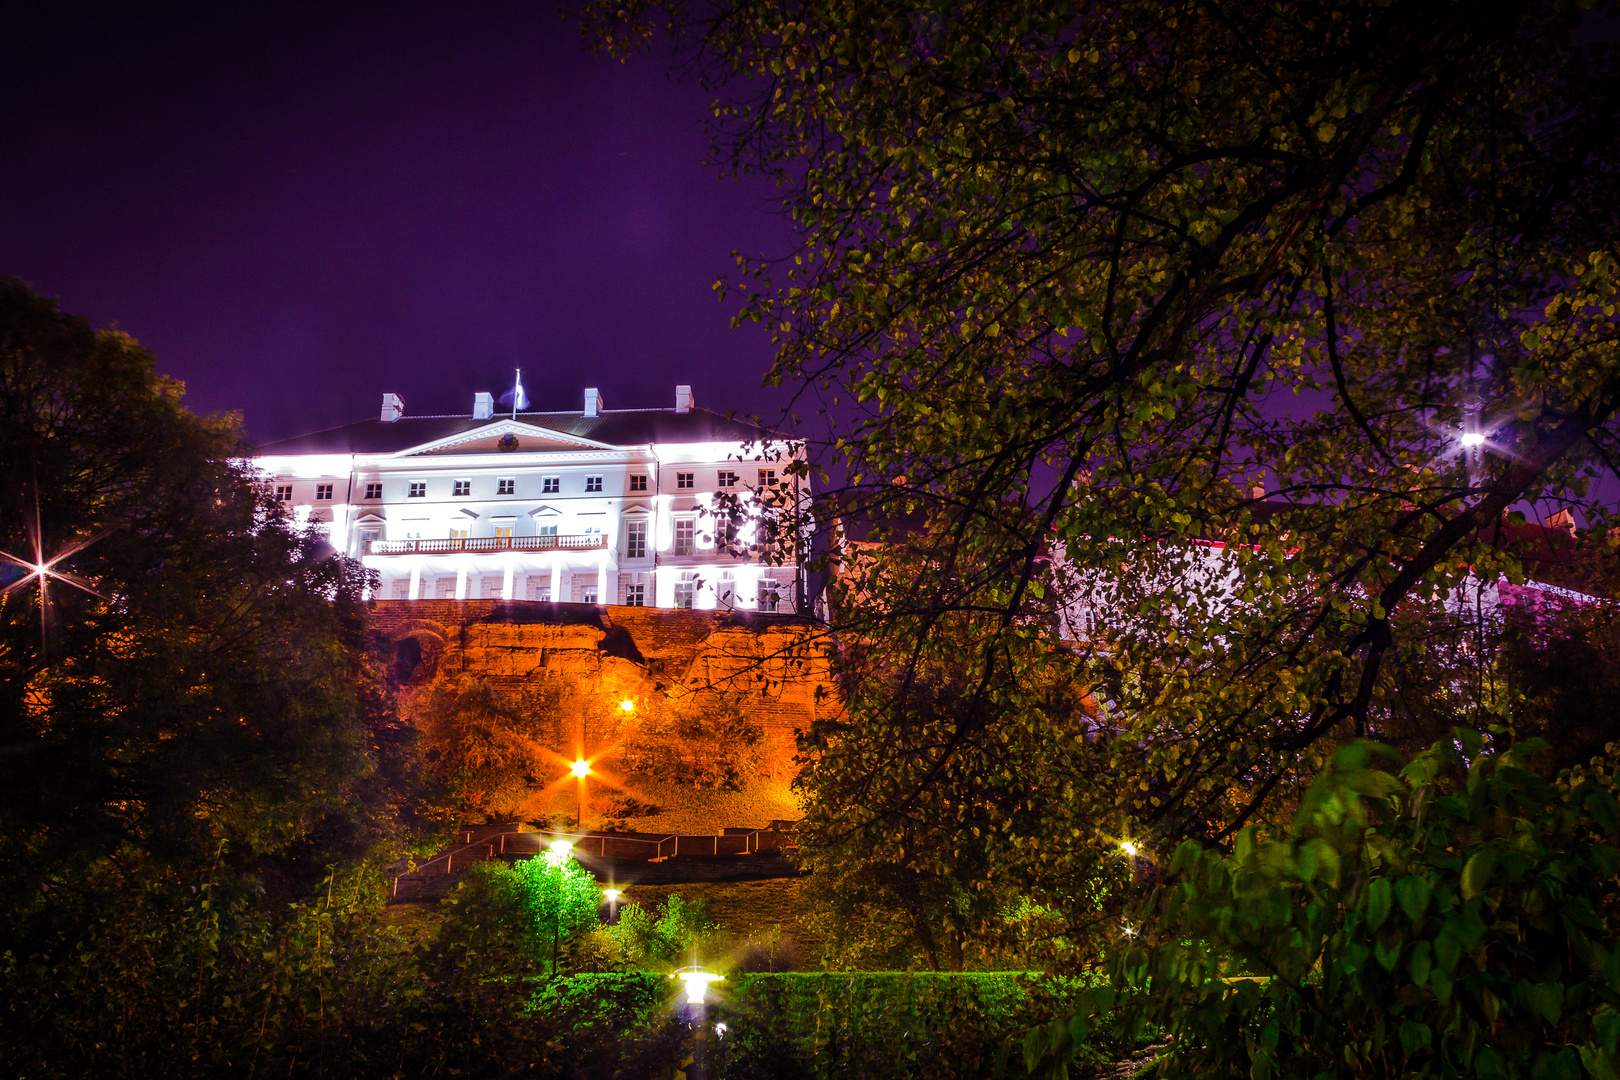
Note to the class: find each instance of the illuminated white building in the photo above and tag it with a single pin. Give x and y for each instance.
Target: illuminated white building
(628, 506)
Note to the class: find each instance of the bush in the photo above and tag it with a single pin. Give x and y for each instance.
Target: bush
(1448, 923)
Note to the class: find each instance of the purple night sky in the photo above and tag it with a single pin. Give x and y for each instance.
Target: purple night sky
(298, 207)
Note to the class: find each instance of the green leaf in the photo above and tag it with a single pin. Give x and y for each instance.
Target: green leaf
(1548, 1000)
(1420, 963)
(1412, 892)
(1599, 1064)
(1477, 873)
(1413, 1035)
(1380, 898)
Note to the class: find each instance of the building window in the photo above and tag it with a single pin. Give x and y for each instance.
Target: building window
(490, 586)
(463, 487)
(506, 486)
(418, 489)
(767, 478)
(728, 589)
(402, 588)
(373, 491)
(459, 532)
(540, 589)
(635, 540)
(684, 529)
(283, 493)
(447, 588)
(728, 479)
(323, 492)
(685, 480)
(593, 483)
(587, 594)
(638, 482)
(770, 599)
(369, 537)
(686, 589)
(550, 485)
(503, 531)
(635, 596)
(548, 530)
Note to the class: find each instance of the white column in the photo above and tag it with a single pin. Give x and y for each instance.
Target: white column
(416, 579)
(506, 586)
(556, 578)
(461, 579)
(602, 579)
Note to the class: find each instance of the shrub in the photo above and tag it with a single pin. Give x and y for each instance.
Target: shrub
(1448, 923)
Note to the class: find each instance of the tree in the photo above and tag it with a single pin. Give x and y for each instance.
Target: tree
(181, 683)
(1079, 278)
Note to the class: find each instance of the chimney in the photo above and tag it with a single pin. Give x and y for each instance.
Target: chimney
(483, 406)
(1257, 492)
(593, 402)
(1563, 519)
(393, 408)
(683, 399)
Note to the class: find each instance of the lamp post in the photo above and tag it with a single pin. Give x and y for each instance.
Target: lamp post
(556, 857)
(612, 896)
(582, 769)
(697, 981)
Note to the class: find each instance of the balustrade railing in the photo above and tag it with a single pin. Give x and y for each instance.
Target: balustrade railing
(480, 544)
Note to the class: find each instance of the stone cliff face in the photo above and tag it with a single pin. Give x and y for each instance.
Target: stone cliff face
(771, 671)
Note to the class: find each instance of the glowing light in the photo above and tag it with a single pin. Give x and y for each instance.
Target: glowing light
(44, 570)
(612, 895)
(720, 1030)
(697, 983)
(627, 705)
(1130, 931)
(1472, 438)
(581, 768)
(1130, 848)
(559, 852)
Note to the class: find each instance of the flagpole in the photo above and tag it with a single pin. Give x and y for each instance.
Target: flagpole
(517, 391)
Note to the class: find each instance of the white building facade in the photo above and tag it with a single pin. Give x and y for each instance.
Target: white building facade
(669, 508)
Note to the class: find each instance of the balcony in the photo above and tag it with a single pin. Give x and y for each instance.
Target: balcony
(482, 544)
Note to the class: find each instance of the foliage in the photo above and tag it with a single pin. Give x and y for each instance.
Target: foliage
(865, 1023)
(1456, 921)
(668, 938)
(202, 981)
(940, 877)
(195, 680)
(488, 751)
(1071, 280)
(558, 897)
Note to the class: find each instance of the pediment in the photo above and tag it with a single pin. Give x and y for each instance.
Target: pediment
(496, 438)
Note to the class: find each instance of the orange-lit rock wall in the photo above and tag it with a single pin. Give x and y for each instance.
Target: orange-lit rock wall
(771, 668)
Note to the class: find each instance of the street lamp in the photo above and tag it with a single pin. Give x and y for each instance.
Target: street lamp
(697, 981)
(612, 896)
(582, 769)
(556, 857)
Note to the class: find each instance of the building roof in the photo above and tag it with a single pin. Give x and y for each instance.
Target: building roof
(616, 427)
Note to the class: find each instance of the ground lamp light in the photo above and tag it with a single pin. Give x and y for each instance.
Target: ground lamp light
(612, 896)
(696, 981)
(558, 855)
